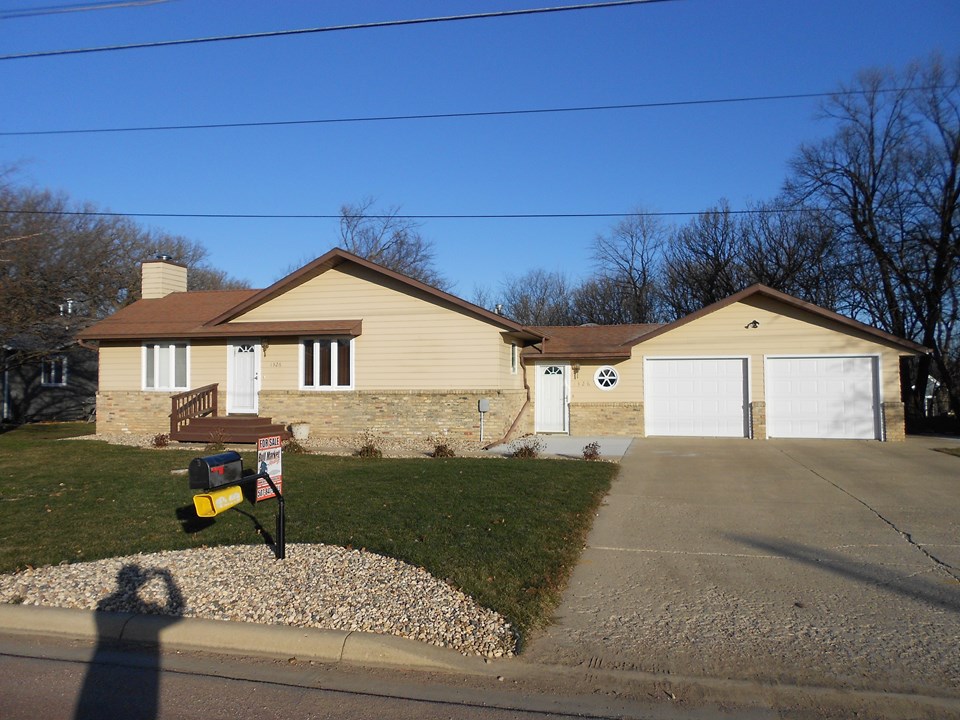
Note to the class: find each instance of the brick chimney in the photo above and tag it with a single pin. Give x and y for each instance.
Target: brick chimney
(162, 277)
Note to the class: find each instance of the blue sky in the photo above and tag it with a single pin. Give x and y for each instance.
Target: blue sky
(668, 159)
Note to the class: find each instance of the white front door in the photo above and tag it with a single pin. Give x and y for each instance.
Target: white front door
(243, 377)
(551, 410)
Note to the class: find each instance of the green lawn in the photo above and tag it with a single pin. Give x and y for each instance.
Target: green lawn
(506, 532)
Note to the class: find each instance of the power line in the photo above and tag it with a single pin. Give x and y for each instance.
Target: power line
(331, 28)
(452, 115)
(76, 7)
(441, 216)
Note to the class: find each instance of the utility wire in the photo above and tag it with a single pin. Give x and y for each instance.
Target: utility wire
(480, 216)
(331, 28)
(452, 115)
(76, 7)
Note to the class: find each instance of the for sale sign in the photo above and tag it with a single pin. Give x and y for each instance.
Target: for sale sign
(268, 461)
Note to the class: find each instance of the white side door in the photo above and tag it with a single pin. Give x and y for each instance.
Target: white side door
(243, 377)
(552, 394)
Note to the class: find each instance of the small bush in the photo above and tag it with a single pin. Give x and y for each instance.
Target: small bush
(441, 446)
(294, 448)
(216, 444)
(160, 440)
(369, 445)
(591, 451)
(526, 448)
(442, 450)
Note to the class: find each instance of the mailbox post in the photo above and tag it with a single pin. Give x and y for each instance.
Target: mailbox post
(222, 476)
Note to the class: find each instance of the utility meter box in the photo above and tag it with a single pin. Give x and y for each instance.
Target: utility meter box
(215, 471)
(483, 405)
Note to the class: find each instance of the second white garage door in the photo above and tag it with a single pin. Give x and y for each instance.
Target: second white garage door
(704, 397)
(822, 397)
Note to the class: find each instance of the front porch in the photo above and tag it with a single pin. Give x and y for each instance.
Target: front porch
(194, 417)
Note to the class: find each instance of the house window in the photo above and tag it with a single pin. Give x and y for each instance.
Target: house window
(606, 378)
(326, 363)
(165, 366)
(53, 372)
(514, 358)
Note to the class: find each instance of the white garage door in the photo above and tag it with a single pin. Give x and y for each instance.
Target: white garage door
(822, 397)
(704, 397)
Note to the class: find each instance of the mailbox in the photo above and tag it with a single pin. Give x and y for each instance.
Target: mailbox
(216, 501)
(215, 471)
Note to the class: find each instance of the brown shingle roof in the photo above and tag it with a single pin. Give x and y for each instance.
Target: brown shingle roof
(185, 314)
(587, 341)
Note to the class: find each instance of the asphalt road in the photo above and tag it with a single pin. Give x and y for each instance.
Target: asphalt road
(56, 680)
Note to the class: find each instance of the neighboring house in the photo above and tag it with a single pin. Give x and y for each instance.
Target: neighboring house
(58, 386)
(348, 346)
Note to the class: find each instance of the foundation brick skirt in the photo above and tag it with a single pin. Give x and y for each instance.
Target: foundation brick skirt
(612, 418)
(396, 414)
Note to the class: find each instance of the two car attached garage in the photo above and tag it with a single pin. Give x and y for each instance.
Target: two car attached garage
(806, 397)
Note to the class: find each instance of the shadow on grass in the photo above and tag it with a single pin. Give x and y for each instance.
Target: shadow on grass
(944, 593)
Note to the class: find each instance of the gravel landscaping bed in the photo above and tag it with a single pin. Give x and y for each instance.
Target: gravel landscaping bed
(318, 586)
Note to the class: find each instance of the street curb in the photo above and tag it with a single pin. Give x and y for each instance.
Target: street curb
(237, 638)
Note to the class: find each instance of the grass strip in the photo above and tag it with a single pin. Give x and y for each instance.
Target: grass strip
(506, 532)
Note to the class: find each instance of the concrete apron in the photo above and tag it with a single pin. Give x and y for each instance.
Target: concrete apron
(829, 564)
(566, 446)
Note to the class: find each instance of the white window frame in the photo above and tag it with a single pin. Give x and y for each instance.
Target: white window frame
(514, 358)
(334, 362)
(50, 362)
(616, 378)
(169, 346)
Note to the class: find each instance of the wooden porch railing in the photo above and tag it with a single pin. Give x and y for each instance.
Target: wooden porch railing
(192, 404)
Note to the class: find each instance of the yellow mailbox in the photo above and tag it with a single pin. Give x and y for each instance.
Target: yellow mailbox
(216, 501)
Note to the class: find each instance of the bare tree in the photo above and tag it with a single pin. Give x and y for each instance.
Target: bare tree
(703, 263)
(383, 237)
(628, 261)
(889, 180)
(538, 297)
(63, 267)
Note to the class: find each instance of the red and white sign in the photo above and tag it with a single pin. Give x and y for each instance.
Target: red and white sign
(269, 450)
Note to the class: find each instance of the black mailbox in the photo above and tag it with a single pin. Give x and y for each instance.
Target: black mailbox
(215, 470)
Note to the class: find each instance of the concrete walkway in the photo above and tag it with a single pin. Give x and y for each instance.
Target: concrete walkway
(823, 563)
(566, 446)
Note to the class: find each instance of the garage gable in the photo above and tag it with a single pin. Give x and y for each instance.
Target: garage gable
(808, 372)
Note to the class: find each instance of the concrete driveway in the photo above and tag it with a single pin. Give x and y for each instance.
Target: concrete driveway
(828, 563)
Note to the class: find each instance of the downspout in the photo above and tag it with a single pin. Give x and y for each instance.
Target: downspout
(523, 408)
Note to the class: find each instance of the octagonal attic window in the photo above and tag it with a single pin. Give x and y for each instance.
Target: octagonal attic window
(606, 378)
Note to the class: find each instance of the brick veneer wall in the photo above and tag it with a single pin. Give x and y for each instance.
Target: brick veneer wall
(758, 420)
(894, 422)
(396, 414)
(609, 418)
(120, 411)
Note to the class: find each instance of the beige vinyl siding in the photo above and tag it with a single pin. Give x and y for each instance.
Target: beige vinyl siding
(629, 387)
(280, 363)
(159, 279)
(120, 366)
(782, 330)
(409, 341)
(208, 364)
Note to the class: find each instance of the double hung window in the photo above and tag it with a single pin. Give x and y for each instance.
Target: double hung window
(53, 372)
(165, 366)
(326, 363)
